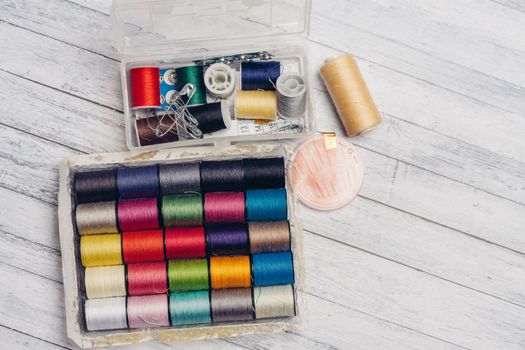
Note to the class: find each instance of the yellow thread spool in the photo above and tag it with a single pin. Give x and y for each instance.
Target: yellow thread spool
(230, 272)
(100, 250)
(350, 94)
(260, 105)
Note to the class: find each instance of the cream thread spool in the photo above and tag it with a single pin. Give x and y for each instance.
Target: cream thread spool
(105, 281)
(274, 301)
(350, 95)
(261, 105)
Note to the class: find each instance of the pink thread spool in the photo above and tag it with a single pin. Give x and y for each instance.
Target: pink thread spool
(224, 207)
(147, 311)
(138, 214)
(149, 278)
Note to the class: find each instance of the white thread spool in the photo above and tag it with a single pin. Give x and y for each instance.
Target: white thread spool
(219, 79)
(291, 95)
(274, 301)
(105, 314)
(105, 281)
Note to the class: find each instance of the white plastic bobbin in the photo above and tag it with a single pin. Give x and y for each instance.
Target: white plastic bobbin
(220, 80)
(291, 95)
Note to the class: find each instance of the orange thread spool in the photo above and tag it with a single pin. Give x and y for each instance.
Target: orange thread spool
(230, 272)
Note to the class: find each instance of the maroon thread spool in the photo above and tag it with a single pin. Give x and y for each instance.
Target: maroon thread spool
(224, 207)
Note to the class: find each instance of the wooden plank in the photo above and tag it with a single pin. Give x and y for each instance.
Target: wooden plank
(15, 340)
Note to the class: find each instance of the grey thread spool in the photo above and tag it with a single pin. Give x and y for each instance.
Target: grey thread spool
(106, 314)
(229, 305)
(179, 178)
(291, 95)
(270, 236)
(274, 301)
(96, 218)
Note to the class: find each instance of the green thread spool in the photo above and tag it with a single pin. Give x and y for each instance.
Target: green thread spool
(188, 274)
(182, 210)
(193, 75)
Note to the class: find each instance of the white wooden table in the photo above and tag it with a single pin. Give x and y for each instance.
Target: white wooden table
(429, 256)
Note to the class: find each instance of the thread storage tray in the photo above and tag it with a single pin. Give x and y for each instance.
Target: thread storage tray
(73, 272)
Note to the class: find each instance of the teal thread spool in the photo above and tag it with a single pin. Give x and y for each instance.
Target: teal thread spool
(190, 308)
(266, 205)
(192, 75)
(182, 210)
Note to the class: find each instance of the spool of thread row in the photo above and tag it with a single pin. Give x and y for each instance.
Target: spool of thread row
(220, 80)
(95, 186)
(260, 105)
(96, 218)
(222, 176)
(192, 75)
(138, 182)
(229, 305)
(260, 75)
(185, 243)
(143, 246)
(274, 301)
(105, 281)
(271, 236)
(148, 311)
(188, 275)
(179, 178)
(182, 210)
(227, 239)
(138, 214)
(230, 272)
(291, 95)
(272, 269)
(100, 250)
(224, 207)
(147, 278)
(266, 205)
(262, 173)
(212, 117)
(190, 308)
(350, 95)
(105, 314)
(145, 87)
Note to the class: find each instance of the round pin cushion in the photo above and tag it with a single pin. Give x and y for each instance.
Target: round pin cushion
(325, 177)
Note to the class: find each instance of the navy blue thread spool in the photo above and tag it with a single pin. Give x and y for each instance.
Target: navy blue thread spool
(227, 239)
(260, 75)
(266, 205)
(270, 269)
(95, 186)
(179, 178)
(212, 116)
(138, 182)
(222, 176)
(264, 173)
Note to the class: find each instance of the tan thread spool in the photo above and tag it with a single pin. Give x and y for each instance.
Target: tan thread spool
(96, 218)
(105, 281)
(350, 94)
(261, 105)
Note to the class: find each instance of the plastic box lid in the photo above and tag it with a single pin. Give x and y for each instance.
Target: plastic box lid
(170, 26)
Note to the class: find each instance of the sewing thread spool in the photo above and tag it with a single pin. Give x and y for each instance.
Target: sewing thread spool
(185, 242)
(227, 239)
(190, 308)
(212, 117)
(230, 272)
(96, 218)
(138, 182)
(274, 301)
(147, 278)
(222, 176)
(95, 186)
(143, 246)
(272, 269)
(291, 95)
(182, 210)
(105, 281)
(230, 305)
(145, 87)
(266, 205)
(220, 80)
(269, 236)
(188, 274)
(224, 207)
(138, 214)
(260, 105)
(192, 75)
(148, 311)
(146, 131)
(105, 314)
(100, 250)
(350, 95)
(260, 75)
(263, 173)
(179, 178)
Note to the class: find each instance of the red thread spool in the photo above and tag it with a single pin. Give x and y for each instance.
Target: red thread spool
(145, 87)
(149, 278)
(185, 243)
(224, 207)
(138, 214)
(142, 246)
